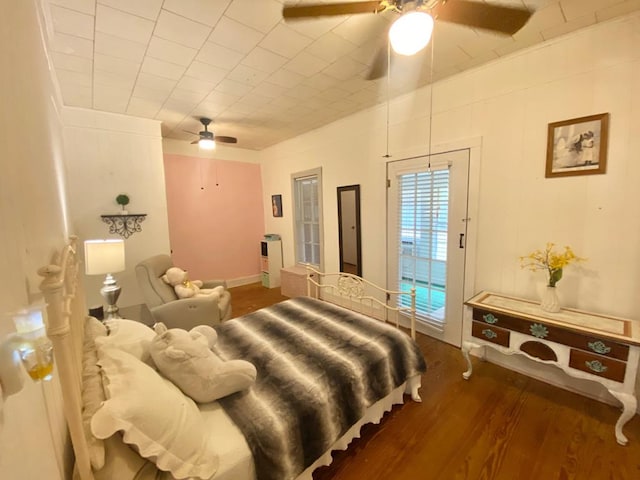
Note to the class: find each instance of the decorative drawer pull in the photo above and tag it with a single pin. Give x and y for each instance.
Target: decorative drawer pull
(490, 334)
(596, 366)
(599, 347)
(538, 331)
(490, 318)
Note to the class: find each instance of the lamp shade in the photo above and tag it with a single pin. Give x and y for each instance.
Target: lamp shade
(411, 32)
(103, 256)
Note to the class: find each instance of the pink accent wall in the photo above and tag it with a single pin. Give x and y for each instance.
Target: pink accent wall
(216, 218)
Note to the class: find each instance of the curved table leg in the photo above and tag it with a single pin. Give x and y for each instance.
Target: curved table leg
(466, 348)
(629, 404)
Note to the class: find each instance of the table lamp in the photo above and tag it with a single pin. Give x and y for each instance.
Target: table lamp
(106, 257)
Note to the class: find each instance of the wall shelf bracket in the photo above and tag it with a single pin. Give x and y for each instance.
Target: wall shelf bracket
(124, 225)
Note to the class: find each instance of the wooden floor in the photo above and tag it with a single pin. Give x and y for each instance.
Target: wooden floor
(497, 425)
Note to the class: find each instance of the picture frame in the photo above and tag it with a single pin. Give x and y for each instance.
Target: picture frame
(577, 146)
(276, 205)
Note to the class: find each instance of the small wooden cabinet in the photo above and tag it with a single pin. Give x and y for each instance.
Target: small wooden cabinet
(270, 262)
(585, 345)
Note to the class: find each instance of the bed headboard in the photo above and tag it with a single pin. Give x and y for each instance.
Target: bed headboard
(356, 293)
(66, 315)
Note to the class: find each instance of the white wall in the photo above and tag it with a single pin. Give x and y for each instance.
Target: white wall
(508, 105)
(33, 222)
(109, 154)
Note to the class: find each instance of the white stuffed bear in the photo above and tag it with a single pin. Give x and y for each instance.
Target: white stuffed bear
(185, 288)
(186, 359)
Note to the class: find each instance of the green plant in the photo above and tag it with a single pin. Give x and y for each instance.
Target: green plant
(122, 200)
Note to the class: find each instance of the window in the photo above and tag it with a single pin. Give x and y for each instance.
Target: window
(307, 195)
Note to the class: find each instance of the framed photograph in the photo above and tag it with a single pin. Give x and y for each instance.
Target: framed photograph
(276, 205)
(577, 146)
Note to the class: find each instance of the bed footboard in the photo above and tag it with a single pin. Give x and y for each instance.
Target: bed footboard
(360, 295)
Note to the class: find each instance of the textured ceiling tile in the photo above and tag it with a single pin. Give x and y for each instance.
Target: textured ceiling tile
(181, 30)
(203, 11)
(247, 75)
(235, 35)
(76, 96)
(123, 25)
(268, 89)
(574, 9)
(143, 8)
(108, 63)
(359, 29)
(161, 84)
(264, 60)
(69, 78)
(184, 100)
(344, 68)
(116, 80)
(206, 72)
(322, 81)
(141, 107)
(72, 45)
(162, 69)
(222, 98)
(110, 99)
(285, 41)
(330, 47)
(72, 22)
(219, 56)
(285, 78)
(622, 8)
(170, 51)
(195, 85)
(302, 92)
(82, 6)
(234, 88)
(72, 62)
(119, 47)
(262, 15)
(306, 64)
(156, 95)
(315, 27)
(571, 26)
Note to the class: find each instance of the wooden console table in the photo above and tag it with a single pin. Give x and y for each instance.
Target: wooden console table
(585, 345)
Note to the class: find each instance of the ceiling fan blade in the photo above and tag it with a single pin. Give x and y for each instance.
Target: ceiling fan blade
(379, 66)
(194, 142)
(497, 18)
(223, 139)
(324, 10)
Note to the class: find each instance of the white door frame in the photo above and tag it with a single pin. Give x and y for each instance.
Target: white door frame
(474, 145)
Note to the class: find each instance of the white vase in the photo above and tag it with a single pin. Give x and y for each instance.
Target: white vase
(550, 302)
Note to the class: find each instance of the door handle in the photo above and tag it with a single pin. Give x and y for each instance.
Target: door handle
(462, 240)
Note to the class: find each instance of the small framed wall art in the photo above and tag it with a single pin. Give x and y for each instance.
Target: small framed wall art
(276, 205)
(577, 146)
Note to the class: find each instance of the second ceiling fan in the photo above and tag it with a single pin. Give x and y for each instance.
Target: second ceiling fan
(207, 139)
(412, 30)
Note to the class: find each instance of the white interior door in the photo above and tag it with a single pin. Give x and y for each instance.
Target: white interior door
(427, 229)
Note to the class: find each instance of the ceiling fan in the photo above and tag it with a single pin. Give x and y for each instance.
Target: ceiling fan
(207, 140)
(412, 30)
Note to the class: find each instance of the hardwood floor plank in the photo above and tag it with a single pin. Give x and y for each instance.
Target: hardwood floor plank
(498, 425)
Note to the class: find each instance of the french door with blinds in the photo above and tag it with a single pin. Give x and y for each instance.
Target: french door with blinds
(427, 205)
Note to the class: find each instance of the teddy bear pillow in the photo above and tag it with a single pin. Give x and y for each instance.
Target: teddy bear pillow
(185, 358)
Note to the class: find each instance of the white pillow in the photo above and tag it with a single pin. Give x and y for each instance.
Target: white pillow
(92, 391)
(130, 336)
(162, 423)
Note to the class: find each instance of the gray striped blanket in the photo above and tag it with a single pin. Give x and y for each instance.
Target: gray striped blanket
(319, 367)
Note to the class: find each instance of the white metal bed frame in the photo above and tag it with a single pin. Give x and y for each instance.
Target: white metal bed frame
(67, 313)
(358, 294)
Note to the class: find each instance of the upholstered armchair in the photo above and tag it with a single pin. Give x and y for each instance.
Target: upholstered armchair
(166, 307)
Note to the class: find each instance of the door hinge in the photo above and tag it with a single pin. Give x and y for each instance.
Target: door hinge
(388, 183)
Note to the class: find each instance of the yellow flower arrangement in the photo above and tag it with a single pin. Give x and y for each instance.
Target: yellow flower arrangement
(550, 261)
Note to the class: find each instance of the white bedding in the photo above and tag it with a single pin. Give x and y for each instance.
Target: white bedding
(236, 462)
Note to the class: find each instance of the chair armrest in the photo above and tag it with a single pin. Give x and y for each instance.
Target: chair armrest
(188, 313)
(214, 283)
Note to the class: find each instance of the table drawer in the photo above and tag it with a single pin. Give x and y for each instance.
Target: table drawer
(597, 365)
(599, 346)
(490, 333)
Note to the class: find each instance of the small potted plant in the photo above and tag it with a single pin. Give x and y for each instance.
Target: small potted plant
(123, 201)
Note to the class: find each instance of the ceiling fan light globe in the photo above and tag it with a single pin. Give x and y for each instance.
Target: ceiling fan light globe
(411, 33)
(207, 144)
